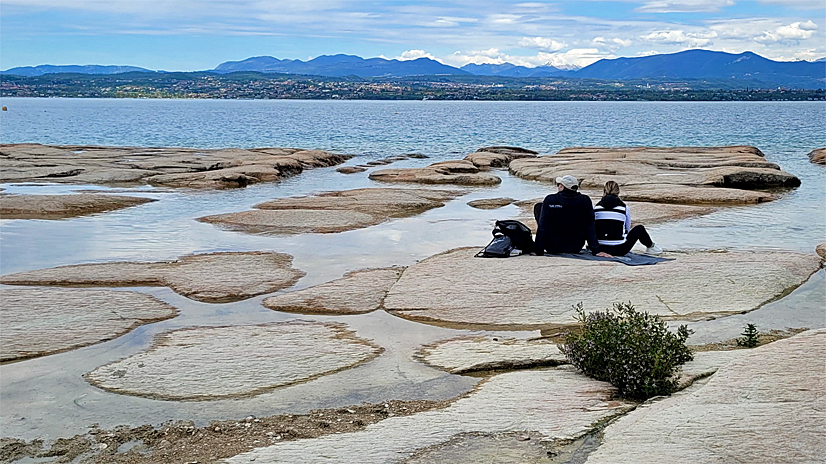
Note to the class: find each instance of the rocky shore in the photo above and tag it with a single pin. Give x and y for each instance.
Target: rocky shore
(250, 332)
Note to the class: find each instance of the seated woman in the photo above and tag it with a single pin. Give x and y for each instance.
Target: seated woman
(612, 222)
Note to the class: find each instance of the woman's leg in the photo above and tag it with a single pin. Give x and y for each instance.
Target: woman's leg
(637, 233)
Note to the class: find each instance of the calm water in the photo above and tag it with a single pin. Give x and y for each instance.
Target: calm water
(50, 393)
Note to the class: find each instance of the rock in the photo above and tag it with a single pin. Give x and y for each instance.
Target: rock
(355, 293)
(459, 172)
(764, 407)
(532, 292)
(552, 403)
(38, 322)
(350, 169)
(499, 448)
(333, 212)
(63, 206)
(818, 156)
(675, 175)
(211, 277)
(170, 167)
(498, 157)
(490, 203)
(821, 251)
(416, 156)
(487, 353)
(207, 363)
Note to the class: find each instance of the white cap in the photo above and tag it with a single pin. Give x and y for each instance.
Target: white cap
(569, 182)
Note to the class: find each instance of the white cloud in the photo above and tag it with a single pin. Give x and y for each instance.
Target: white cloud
(542, 43)
(684, 6)
(574, 58)
(611, 44)
(792, 32)
(679, 37)
(414, 55)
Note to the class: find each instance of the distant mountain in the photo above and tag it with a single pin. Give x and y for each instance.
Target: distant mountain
(341, 65)
(706, 64)
(87, 69)
(512, 70)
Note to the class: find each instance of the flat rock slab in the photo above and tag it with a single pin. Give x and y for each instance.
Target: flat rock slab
(206, 363)
(459, 172)
(553, 403)
(63, 206)
(356, 293)
(211, 277)
(765, 407)
(333, 212)
(490, 203)
(37, 322)
(486, 353)
(498, 157)
(688, 175)
(530, 292)
(818, 156)
(170, 167)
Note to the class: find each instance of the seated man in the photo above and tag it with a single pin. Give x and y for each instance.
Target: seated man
(565, 220)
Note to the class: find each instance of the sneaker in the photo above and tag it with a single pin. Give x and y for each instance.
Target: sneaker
(653, 250)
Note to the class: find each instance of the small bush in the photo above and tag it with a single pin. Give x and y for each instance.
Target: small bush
(750, 337)
(633, 350)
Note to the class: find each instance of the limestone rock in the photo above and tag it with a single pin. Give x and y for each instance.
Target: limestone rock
(666, 171)
(498, 157)
(552, 403)
(490, 203)
(63, 206)
(818, 156)
(355, 293)
(171, 167)
(332, 212)
(530, 292)
(37, 322)
(206, 363)
(459, 172)
(211, 277)
(821, 251)
(351, 169)
(486, 353)
(765, 407)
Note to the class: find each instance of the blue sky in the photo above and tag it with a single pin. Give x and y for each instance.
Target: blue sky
(188, 35)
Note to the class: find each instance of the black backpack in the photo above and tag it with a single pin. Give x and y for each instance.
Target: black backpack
(507, 236)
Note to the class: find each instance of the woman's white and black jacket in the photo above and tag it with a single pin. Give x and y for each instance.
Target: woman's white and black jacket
(612, 220)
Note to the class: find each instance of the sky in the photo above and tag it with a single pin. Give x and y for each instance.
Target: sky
(192, 35)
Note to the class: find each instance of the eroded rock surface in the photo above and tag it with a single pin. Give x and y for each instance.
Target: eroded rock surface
(355, 293)
(689, 175)
(211, 277)
(765, 407)
(490, 203)
(63, 206)
(333, 212)
(458, 172)
(498, 157)
(37, 322)
(485, 353)
(171, 167)
(821, 251)
(529, 292)
(553, 403)
(818, 156)
(205, 363)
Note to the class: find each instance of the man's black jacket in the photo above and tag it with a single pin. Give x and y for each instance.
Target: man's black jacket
(565, 221)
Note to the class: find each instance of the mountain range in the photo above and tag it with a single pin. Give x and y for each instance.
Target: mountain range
(748, 67)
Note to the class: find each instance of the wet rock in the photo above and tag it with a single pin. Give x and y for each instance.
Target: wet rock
(818, 156)
(37, 322)
(63, 206)
(486, 353)
(554, 403)
(333, 212)
(490, 203)
(764, 407)
(458, 172)
(211, 277)
(206, 363)
(821, 251)
(355, 293)
(171, 167)
(530, 292)
(675, 175)
(350, 169)
(498, 157)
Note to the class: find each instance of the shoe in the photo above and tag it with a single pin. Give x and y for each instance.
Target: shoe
(653, 250)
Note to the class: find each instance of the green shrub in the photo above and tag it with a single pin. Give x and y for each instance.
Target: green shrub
(633, 350)
(750, 337)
